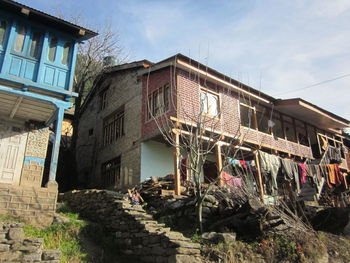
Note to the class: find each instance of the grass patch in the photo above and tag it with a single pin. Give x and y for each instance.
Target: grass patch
(63, 237)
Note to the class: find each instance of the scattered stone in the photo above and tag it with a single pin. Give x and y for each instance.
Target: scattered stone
(216, 238)
(16, 234)
(51, 254)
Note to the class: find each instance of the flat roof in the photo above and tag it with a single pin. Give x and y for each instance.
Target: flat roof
(38, 16)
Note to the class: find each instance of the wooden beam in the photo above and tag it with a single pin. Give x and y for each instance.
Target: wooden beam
(261, 187)
(206, 138)
(16, 106)
(25, 11)
(219, 163)
(177, 182)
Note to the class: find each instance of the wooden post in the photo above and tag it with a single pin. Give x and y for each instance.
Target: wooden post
(259, 176)
(219, 163)
(177, 181)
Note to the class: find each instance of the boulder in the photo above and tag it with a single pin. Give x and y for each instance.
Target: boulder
(216, 238)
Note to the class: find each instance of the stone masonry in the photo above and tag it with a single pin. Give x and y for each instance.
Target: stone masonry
(34, 158)
(15, 248)
(134, 229)
(35, 205)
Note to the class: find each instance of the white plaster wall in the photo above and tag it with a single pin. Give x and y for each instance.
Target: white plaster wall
(156, 160)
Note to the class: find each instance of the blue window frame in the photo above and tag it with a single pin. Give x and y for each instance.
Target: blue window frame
(28, 42)
(52, 49)
(3, 28)
(66, 53)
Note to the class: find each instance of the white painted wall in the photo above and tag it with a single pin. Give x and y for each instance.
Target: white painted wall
(156, 160)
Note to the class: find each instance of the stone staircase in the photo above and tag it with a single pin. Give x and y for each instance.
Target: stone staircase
(134, 229)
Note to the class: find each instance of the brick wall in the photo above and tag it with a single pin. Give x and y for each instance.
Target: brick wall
(151, 83)
(267, 140)
(35, 205)
(188, 88)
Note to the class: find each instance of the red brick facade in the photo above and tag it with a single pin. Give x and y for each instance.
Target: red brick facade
(186, 87)
(150, 84)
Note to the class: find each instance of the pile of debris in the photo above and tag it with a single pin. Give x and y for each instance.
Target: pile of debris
(155, 187)
(224, 209)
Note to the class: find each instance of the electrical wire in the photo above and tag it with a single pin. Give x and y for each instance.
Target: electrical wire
(314, 85)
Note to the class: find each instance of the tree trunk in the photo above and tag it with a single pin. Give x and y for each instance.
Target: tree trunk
(200, 214)
(75, 124)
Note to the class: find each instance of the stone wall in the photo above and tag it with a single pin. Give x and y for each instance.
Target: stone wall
(123, 89)
(133, 228)
(34, 157)
(35, 205)
(15, 248)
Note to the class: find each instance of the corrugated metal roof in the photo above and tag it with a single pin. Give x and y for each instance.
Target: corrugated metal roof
(52, 21)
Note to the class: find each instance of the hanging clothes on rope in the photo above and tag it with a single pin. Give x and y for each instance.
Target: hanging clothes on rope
(270, 165)
(290, 171)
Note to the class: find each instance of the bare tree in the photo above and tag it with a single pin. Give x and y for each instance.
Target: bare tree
(90, 63)
(198, 132)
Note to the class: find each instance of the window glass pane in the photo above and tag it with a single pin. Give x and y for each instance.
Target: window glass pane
(52, 49)
(166, 98)
(209, 103)
(2, 31)
(277, 128)
(35, 45)
(289, 128)
(204, 102)
(213, 102)
(66, 51)
(21, 33)
(262, 118)
(247, 116)
(301, 133)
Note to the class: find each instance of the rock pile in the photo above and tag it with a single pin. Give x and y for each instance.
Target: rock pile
(14, 247)
(133, 228)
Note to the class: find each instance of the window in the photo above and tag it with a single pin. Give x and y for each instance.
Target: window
(35, 45)
(248, 116)
(110, 172)
(26, 43)
(103, 99)
(209, 103)
(3, 26)
(91, 132)
(19, 42)
(277, 129)
(289, 128)
(52, 49)
(262, 118)
(159, 101)
(113, 127)
(66, 51)
(301, 133)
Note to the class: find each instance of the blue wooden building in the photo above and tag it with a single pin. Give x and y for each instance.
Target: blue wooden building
(37, 62)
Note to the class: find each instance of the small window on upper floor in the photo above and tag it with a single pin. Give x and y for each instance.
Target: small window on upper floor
(52, 49)
(35, 44)
(248, 116)
(66, 52)
(209, 103)
(21, 34)
(3, 26)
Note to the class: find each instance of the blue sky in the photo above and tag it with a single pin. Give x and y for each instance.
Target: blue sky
(275, 46)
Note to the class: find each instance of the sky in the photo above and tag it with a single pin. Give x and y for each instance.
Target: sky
(279, 47)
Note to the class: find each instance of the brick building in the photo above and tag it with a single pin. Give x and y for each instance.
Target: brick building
(37, 62)
(120, 143)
